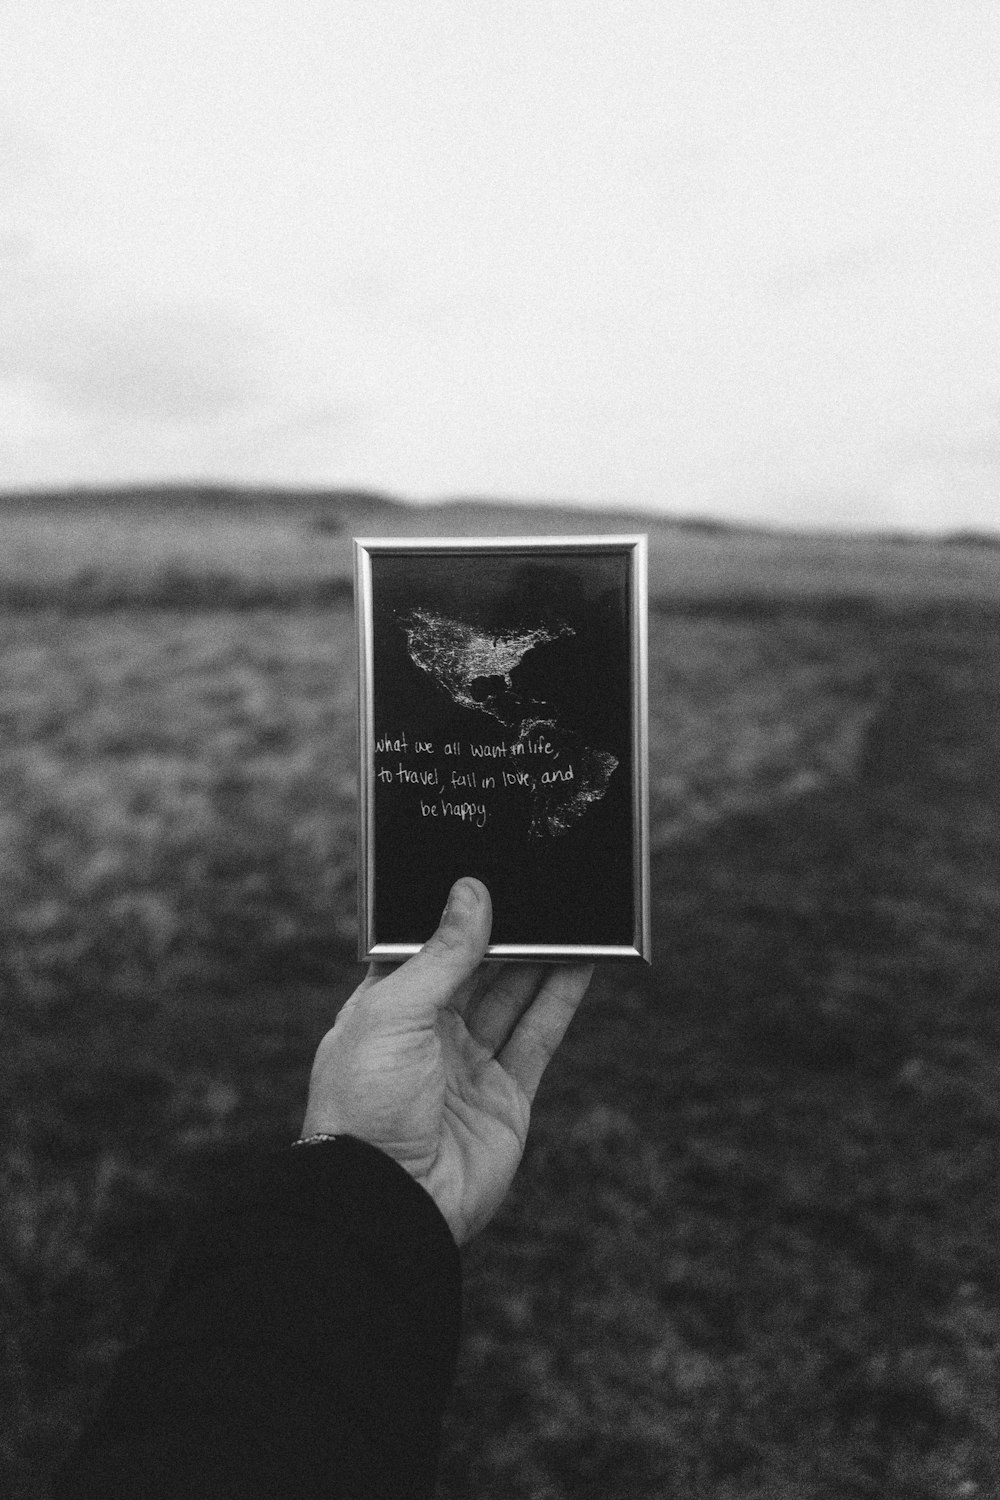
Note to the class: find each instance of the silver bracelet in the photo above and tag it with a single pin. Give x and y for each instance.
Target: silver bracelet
(313, 1140)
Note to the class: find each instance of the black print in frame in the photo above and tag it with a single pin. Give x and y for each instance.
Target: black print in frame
(502, 741)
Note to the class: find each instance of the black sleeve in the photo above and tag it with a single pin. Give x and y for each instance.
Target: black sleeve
(304, 1346)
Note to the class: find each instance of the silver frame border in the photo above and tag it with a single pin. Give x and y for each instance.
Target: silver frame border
(635, 545)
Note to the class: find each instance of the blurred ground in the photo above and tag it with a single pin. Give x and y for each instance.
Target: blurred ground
(753, 1250)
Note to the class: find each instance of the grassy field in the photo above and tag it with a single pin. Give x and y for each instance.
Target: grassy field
(754, 1248)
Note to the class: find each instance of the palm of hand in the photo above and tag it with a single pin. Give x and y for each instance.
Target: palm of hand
(478, 1137)
(445, 1089)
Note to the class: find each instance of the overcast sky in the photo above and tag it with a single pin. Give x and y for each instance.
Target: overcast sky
(723, 257)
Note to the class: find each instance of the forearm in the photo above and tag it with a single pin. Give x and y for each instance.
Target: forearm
(305, 1345)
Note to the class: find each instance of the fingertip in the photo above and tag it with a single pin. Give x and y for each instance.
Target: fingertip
(463, 934)
(466, 897)
(573, 977)
(467, 914)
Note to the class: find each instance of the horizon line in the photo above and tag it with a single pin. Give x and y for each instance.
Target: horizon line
(373, 495)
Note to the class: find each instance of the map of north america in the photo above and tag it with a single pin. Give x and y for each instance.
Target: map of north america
(460, 656)
(456, 655)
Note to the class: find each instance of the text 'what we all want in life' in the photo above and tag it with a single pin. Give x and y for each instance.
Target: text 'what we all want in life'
(464, 773)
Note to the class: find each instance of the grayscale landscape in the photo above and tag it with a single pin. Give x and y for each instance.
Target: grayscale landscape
(754, 1248)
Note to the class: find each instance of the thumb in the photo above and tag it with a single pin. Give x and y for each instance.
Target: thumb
(456, 949)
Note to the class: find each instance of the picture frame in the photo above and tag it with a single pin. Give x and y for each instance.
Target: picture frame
(503, 733)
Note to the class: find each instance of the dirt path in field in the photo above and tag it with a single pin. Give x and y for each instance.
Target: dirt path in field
(898, 788)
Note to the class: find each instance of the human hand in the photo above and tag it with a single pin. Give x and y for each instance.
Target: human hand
(437, 1061)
